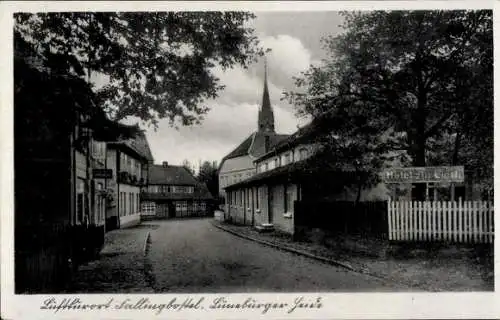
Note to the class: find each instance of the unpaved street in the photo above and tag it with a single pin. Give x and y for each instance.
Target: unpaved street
(194, 256)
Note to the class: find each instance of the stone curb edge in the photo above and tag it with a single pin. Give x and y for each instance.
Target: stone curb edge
(148, 235)
(299, 252)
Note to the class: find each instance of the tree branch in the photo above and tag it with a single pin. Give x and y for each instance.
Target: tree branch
(436, 126)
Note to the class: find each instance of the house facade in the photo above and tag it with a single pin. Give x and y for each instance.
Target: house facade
(129, 161)
(58, 208)
(173, 192)
(268, 196)
(239, 164)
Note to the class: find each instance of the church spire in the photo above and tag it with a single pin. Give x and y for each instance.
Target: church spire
(266, 116)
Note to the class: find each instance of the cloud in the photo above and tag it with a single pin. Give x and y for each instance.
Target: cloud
(233, 115)
(288, 55)
(224, 127)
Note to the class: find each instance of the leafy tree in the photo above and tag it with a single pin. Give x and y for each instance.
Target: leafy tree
(208, 174)
(188, 166)
(416, 78)
(157, 64)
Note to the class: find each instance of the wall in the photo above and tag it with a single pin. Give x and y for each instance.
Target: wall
(241, 215)
(234, 170)
(294, 156)
(262, 216)
(128, 218)
(112, 206)
(81, 165)
(130, 221)
(280, 221)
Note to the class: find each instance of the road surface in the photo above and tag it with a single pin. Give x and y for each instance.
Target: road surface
(193, 256)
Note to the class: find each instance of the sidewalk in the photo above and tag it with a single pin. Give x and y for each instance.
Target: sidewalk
(459, 271)
(121, 265)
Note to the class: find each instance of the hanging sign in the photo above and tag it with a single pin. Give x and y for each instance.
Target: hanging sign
(424, 174)
(102, 173)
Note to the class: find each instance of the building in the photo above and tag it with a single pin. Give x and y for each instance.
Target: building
(128, 161)
(59, 209)
(239, 163)
(291, 171)
(173, 192)
(268, 196)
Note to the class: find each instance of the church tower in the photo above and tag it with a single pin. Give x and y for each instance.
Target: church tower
(266, 116)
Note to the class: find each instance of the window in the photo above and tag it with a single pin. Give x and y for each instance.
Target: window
(148, 208)
(248, 198)
(266, 166)
(80, 205)
(137, 202)
(122, 204)
(257, 198)
(99, 150)
(287, 158)
(138, 170)
(129, 202)
(288, 196)
(303, 153)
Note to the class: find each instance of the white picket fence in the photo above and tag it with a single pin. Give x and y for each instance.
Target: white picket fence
(451, 221)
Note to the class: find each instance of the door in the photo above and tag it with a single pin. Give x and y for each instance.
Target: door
(171, 210)
(270, 203)
(162, 210)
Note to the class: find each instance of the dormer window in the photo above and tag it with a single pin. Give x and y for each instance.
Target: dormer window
(303, 153)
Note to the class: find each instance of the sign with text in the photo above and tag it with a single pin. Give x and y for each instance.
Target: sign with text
(102, 173)
(424, 174)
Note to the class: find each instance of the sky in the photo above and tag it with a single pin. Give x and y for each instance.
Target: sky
(294, 40)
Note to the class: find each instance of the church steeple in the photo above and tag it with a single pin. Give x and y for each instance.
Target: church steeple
(266, 116)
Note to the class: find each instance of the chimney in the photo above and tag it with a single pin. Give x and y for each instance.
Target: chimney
(266, 143)
(165, 164)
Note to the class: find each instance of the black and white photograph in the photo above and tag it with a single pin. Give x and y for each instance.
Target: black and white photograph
(189, 152)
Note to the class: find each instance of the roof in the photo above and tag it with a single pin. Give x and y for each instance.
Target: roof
(299, 136)
(170, 175)
(254, 145)
(200, 193)
(241, 149)
(258, 147)
(138, 145)
(300, 170)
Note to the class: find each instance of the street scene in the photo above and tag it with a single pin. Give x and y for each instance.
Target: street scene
(240, 152)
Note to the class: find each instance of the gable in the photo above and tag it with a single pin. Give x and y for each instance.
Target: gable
(173, 175)
(238, 163)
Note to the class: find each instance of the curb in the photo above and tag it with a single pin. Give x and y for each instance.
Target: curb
(298, 252)
(146, 239)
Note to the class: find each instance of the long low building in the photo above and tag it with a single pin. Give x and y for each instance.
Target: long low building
(173, 192)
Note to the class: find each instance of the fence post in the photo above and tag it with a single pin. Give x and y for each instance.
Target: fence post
(491, 222)
(405, 221)
(389, 219)
(411, 217)
(420, 236)
(480, 221)
(449, 217)
(398, 215)
(474, 221)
